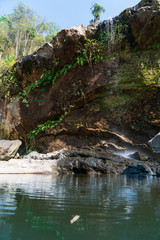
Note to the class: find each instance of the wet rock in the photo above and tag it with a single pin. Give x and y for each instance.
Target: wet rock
(155, 146)
(87, 161)
(134, 156)
(8, 149)
(135, 170)
(80, 165)
(88, 153)
(143, 157)
(139, 156)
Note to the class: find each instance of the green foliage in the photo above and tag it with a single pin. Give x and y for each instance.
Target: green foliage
(90, 52)
(45, 126)
(156, 47)
(7, 62)
(113, 38)
(23, 31)
(138, 72)
(48, 77)
(96, 10)
(79, 124)
(150, 74)
(9, 82)
(51, 29)
(6, 45)
(117, 102)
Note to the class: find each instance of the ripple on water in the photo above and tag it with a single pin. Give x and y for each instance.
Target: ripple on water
(110, 207)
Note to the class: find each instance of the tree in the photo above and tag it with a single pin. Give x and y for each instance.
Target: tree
(26, 27)
(51, 30)
(23, 22)
(5, 42)
(96, 10)
(21, 33)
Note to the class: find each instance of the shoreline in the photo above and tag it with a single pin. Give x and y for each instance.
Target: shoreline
(78, 161)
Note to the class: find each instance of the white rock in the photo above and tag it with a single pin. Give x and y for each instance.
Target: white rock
(28, 166)
(8, 149)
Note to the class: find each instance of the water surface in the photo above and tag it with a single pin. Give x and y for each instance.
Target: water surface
(40, 207)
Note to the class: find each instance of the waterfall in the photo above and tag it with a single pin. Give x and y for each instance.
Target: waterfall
(134, 8)
(107, 27)
(149, 169)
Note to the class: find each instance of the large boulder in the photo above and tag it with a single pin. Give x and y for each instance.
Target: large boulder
(155, 146)
(8, 149)
(15, 116)
(63, 48)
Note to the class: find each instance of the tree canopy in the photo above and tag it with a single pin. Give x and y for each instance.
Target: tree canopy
(96, 11)
(23, 32)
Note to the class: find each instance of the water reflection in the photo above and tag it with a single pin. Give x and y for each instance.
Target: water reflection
(110, 207)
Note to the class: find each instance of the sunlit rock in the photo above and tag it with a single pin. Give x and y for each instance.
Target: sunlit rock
(8, 149)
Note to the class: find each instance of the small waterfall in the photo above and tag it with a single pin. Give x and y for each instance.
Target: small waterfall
(134, 8)
(106, 29)
(130, 154)
(149, 169)
(108, 24)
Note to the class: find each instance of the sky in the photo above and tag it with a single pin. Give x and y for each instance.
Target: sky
(68, 13)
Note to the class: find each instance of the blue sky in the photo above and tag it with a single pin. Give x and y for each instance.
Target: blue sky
(68, 13)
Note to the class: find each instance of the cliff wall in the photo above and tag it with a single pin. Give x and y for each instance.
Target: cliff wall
(89, 87)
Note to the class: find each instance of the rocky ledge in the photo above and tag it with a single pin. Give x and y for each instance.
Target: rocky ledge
(81, 161)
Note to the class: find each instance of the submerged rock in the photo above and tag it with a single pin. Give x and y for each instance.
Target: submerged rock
(8, 149)
(136, 170)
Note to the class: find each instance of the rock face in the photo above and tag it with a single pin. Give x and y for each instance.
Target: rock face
(141, 24)
(8, 149)
(143, 21)
(62, 48)
(52, 102)
(155, 146)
